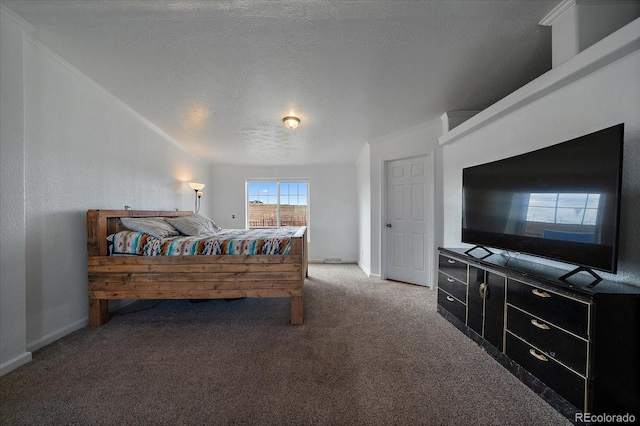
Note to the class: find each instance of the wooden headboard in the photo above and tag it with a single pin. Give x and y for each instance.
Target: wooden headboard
(101, 223)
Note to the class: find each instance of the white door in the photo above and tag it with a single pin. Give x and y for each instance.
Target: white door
(406, 224)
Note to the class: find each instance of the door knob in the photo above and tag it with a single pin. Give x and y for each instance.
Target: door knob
(388, 225)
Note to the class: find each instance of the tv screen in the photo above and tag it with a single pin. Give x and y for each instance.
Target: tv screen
(561, 202)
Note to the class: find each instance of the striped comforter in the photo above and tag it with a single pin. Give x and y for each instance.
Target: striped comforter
(226, 241)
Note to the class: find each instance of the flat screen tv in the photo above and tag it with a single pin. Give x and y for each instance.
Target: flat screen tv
(561, 202)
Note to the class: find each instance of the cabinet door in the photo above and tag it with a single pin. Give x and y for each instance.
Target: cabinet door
(475, 302)
(494, 309)
(485, 305)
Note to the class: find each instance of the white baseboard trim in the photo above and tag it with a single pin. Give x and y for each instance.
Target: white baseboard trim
(343, 261)
(14, 363)
(366, 271)
(57, 334)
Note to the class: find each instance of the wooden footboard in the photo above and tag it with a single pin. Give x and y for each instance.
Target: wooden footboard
(187, 277)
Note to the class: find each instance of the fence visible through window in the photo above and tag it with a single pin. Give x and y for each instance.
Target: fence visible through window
(272, 204)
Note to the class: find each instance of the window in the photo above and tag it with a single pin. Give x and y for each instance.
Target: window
(565, 208)
(272, 204)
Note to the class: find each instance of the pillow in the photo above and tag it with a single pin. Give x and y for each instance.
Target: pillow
(156, 226)
(194, 224)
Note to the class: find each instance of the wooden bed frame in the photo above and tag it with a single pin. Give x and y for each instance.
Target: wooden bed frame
(187, 277)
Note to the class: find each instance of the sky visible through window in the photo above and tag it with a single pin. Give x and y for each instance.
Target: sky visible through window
(291, 193)
(567, 208)
(271, 204)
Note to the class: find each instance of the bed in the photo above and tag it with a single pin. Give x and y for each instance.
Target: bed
(187, 276)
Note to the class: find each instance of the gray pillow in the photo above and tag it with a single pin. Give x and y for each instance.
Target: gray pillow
(156, 226)
(194, 224)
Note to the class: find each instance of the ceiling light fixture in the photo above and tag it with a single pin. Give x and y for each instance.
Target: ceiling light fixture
(291, 122)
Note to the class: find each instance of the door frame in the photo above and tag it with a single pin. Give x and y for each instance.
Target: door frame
(429, 212)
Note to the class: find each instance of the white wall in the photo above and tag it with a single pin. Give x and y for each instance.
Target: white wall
(565, 38)
(13, 315)
(83, 149)
(363, 166)
(577, 26)
(333, 223)
(598, 20)
(596, 89)
(415, 141)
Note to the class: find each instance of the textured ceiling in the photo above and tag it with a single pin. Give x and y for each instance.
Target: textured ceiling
(218, 76)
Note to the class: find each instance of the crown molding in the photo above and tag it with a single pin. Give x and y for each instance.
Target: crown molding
(451, 119)
(566, 5)
(9, 14)
(557, 12)
(151, 126)
(615, 46)
(605, 2)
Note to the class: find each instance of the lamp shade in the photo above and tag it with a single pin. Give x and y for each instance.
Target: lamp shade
(291, 122)
(196, 186)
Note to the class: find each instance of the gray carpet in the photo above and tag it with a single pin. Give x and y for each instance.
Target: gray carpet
(370, 352)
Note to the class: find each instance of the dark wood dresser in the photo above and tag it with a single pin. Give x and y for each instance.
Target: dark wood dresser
(575, 343)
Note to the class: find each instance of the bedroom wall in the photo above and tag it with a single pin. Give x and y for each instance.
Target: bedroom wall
(333, 225)
(83, 148)
(415, 141)
(584, 23)
(596, 89)
(363, 169)
(13, 315)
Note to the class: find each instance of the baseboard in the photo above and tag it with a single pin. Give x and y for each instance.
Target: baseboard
(14, 363)
(367, 271)
(57, 334)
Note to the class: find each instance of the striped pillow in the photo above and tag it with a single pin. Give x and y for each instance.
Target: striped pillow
(194, 224)
(156, 226)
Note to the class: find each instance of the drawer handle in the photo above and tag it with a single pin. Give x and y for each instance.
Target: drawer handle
(451, 299)
(537, 355)
(540, 293)
(483, 291)
(451, 261)
(450, 279)
(540, 325)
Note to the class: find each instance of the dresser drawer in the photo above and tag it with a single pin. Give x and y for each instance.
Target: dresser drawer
(453, 305)
(558, 344)
(452, 286)
(568, 314)
(563, 381)
(453, 268)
